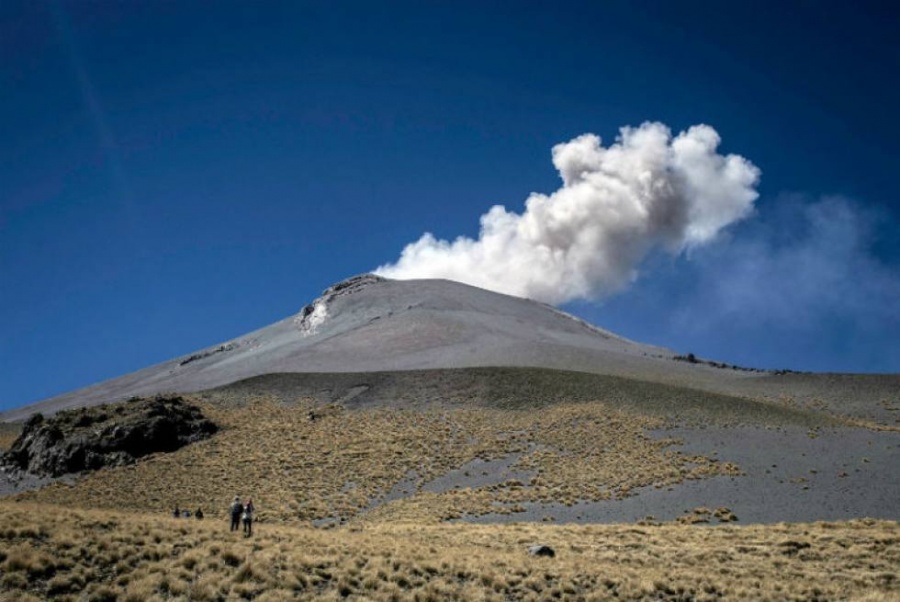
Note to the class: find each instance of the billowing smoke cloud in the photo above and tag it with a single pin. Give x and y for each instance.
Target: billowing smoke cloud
(809, 283)
(586, 240)
(803, 264)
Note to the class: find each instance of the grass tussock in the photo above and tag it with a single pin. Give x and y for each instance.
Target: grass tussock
(49, 552)
(304, 461)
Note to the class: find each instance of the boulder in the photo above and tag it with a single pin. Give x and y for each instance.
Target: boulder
(73, 441)
(541, 550)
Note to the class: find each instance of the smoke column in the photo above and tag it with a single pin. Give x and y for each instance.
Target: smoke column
(586, 240)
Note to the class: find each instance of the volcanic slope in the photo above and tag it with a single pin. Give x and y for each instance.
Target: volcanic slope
(428, 388)
(368, 324)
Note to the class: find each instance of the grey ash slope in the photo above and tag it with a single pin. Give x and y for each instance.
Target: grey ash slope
(373, 342)
(369, 324)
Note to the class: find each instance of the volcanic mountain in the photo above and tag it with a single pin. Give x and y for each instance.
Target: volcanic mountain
(368, 324)
(433, 400)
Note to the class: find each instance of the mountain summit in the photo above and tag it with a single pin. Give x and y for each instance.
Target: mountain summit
(371, 324)
(368, 323)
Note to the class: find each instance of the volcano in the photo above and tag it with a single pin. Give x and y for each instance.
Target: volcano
(369, 324)
(395, 396)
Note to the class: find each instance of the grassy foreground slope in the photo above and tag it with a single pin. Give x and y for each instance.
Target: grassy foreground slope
(304, 461)
(48, 552)
(358, 480)
(426, 446)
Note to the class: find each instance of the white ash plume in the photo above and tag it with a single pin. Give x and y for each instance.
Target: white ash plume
(586, 240)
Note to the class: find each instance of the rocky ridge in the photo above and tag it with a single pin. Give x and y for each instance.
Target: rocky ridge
(90, 438)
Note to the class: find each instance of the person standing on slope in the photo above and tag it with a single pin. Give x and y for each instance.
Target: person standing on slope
(248, 517)
(236, 509)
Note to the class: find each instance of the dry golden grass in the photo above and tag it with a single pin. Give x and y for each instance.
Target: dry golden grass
(8, 434)
(341, 463)
(108, 536)
(50, 552)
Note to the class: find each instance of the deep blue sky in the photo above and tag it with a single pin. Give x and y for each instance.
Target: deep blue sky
(174, 174)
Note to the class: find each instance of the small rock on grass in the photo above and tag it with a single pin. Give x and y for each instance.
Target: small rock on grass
(541, 550)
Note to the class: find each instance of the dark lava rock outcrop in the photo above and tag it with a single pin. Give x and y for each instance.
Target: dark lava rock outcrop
(107, 435)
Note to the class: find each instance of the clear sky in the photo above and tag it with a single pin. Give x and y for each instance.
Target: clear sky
(174, 174)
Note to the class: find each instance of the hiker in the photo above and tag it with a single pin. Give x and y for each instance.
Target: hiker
(236, 509)
(176, 513)
(248, 517)
(199, 513)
